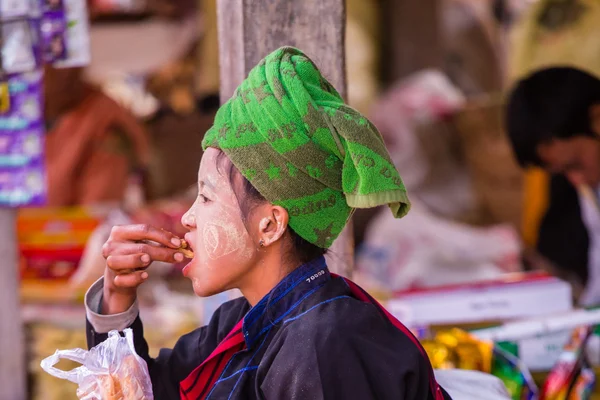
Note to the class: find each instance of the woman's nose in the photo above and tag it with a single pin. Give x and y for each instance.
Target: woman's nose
(188, 220)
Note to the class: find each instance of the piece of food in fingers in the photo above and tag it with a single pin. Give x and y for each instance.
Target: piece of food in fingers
(186, 250)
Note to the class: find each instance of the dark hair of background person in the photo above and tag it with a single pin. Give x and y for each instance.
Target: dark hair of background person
(553, 103)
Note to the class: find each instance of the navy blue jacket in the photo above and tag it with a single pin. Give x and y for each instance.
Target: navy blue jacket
(315, 336)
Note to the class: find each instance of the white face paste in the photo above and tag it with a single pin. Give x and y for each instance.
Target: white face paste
(225, 234)
(224, 249)
(221, 239)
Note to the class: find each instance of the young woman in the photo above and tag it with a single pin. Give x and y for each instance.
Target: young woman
(284, 165)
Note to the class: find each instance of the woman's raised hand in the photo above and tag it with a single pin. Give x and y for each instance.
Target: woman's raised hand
(129, 251)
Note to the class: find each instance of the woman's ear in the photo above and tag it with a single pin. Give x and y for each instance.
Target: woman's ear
(595, 118)
(273, 226)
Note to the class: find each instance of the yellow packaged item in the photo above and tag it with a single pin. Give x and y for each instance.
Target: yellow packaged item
(456, 348)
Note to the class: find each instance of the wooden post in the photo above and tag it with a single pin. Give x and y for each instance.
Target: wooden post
(251, 29)
(412, 38)
(12, 336)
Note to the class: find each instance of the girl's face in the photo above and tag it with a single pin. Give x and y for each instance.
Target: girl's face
(577, 158)
(224, 251)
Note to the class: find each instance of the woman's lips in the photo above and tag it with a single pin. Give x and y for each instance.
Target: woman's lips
(188, 237)
(185, 270)
(190, 248)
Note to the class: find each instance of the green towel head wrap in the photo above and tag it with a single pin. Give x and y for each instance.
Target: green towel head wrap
(290, 134)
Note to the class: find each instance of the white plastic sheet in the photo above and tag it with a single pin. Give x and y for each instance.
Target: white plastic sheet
(469, 385)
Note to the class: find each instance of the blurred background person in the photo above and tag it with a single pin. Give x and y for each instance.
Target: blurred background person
(92, 145)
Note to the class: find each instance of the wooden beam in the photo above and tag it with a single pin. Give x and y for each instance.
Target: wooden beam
(12, 343)
(411, 38)
(251, 29)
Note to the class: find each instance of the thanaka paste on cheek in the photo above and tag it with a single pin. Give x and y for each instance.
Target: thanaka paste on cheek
(224, 235)
(221, 239)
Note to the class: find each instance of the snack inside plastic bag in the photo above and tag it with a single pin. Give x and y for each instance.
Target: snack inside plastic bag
(110, 371)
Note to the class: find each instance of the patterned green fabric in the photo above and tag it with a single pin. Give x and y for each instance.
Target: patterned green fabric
(290, 134)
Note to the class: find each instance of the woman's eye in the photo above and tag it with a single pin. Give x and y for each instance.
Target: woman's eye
(203, 199)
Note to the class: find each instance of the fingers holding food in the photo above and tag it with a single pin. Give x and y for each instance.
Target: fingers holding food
(154, 252)
(130, 280)
(129, 251)
(142, 233)
(123, 264)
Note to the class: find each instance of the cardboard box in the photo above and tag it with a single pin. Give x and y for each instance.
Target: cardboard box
(514, 296)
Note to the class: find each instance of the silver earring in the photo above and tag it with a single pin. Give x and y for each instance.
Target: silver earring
(261, 243)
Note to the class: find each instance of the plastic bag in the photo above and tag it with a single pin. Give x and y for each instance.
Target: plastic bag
(22, 166)
(110, 371)
(411, 118)
(75, 35)
(17, 48)
(423, 250)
